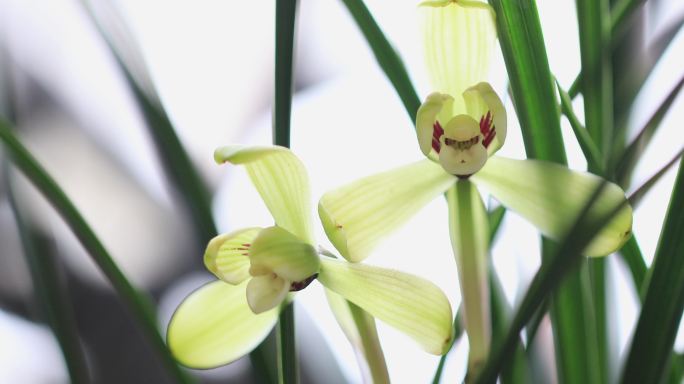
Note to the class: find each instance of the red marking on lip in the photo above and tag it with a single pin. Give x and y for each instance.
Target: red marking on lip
(437, 132)
(487, 129)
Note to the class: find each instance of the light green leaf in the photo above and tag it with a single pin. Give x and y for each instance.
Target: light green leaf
(469, 233)
(214, 326)
(552, 196)
(282, 182)
(358, 215)
(227, 255)
(411, 304)
(460, 40)
(276, 250)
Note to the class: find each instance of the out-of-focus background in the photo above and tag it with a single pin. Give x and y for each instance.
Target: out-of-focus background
(211, 63)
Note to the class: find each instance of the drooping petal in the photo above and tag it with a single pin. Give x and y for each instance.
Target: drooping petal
(485, 106)
(215, 326)
(358, 215)
(469, 231)
(460, 39)
(411, 304)
(428, 115)
(227, 255)
(276, 250)
(282, 182)
(552, 196)
(266, 292)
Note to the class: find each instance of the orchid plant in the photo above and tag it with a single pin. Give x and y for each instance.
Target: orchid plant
(260, 268)
(459, 129)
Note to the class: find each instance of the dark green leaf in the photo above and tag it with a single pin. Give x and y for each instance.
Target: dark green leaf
(664, 300)
(387, 57)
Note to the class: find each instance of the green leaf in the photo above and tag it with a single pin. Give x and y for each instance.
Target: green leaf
(459, 39)
(469, 233)
(495, 218)
(387, 57)
(227, 255)
(664, 301)
(139, 305)
(628, 159)
(176, 161)
(357, 216)
(215, 326)
(411, 304)
(282, 181)
(359, 327)
(631, 255)
(589, 148)
(551, 197)
(276, 250)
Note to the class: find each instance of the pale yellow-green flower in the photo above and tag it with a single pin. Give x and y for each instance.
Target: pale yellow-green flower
(259, 267)
(459, 127)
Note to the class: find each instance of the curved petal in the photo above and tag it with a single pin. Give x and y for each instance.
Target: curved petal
(358, 215)
(429, 113)
(266, 292)
(460, 39)
(214, 326)
(282, 182)
(276, 250)
(411, 304)
(483, 103)
(227, 255)
(552, 196)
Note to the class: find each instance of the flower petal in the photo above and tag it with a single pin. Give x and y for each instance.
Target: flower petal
(411, 304)
(428, 114)
(227, 255)
(266, 292)
(276, 250)
(552, 196)
(480, 100)
(469, 232)
(460, 39)
(358, 215)
(282, 182)
(214, 326)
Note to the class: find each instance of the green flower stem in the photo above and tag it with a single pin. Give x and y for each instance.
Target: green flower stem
(288, 366)
(137, 303)
(372, 349)
(50, 292)
(469, 232)
(386, 55)
(286, 13)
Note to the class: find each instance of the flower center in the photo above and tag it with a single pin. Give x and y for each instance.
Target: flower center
(462, 144)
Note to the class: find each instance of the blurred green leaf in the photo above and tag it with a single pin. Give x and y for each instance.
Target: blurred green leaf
(50, 291)
(628, 159)
(177, 164)
(664, 300)
(138, 304)
(386, 55)
(495, 218)
(637, 195)
(632, 256)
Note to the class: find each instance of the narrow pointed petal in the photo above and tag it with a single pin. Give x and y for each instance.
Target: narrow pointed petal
(227, 255)
(428, 114)
(469, 232)
(552, 196)
(481, 100)
(266, 292)
(282, 182)
(460, 40)
(215, 326)
(276, 250)
(411, 304)
(358, 215)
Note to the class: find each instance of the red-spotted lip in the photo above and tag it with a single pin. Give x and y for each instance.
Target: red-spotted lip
(487, 129)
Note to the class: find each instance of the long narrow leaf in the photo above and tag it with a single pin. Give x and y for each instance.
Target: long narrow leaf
(387, 57)
(589, 148)
(138, 304)
(632, 256)
(664, 301)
